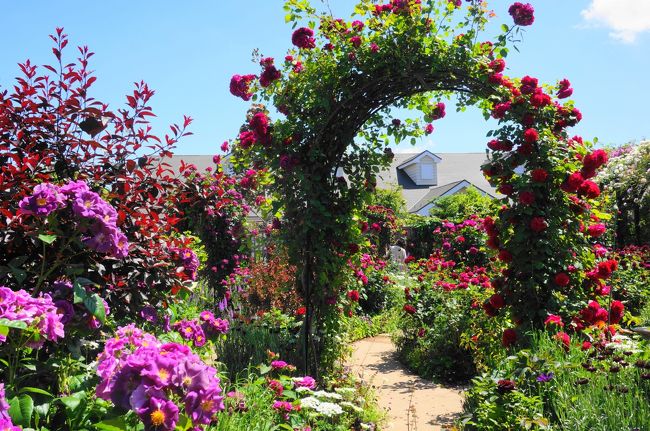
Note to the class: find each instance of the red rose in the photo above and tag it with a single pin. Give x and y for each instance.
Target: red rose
(301, 311)
(601, 315)
(353, 295)
(355, 41)
(303, 38)
(616, 311)
(538, 224)
(594, 160)
(539, 175)
(522, 14)
(505, 256)
(562, 279)
(498, 65)
(539, 99)
(509, 337)
(497, 301)
(589, 189)
(506, 189)
(565, 89)
(495, 78)
(489, 309)
(525, 149)
(500, 109)
(526, 198)
(409, 308)
(553, 319)
(586, 345)
(596, 230)
(239, 86)
(528, 85)
(531, 136)
(572, 182)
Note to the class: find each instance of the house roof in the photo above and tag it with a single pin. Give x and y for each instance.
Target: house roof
(434, 192)
(416, 157)
(452, 169)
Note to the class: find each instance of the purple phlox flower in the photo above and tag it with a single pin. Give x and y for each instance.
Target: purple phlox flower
(166, 327)
(107, 239)
(149, 314)
(159, 372)
(7, 425)
(4, 406)
(194, 376)
(74, 188)
(202, 405)
(87, 204)
(45, 199)
(159, 414)
(125, 382)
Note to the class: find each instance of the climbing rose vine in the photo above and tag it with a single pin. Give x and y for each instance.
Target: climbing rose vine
(334, 93)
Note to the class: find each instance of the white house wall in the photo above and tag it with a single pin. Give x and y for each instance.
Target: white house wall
(414, 171)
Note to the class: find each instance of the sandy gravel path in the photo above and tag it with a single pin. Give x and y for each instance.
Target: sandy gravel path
(412, 403)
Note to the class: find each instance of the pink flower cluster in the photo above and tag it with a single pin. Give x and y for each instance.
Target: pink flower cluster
(197, 331)
(153, 379)
(188, 262)
(39, 314)
(102, 235)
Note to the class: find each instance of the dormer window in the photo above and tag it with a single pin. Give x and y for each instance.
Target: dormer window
(427, 171)
(422, 168)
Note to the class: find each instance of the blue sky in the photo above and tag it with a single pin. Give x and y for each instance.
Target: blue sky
(188, 50)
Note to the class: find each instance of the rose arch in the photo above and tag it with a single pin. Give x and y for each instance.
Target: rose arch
(334, 92)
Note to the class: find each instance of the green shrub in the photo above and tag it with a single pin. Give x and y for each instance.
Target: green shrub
(565, 388)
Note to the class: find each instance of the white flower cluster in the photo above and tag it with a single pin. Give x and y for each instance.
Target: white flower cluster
(628, 172)
(323, 407)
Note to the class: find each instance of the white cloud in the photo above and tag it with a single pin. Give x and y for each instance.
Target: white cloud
(626, 18)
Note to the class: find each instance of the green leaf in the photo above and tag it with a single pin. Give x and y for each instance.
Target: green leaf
(47, 239)
(504, 28)
(35, 391)
(72, 402)
(264, 369)
(183, 423)
(95, 305)
(13, 324)
(21, 409)
(115, 424)
(79, 291)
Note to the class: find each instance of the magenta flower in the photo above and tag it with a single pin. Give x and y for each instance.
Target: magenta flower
(305, 382)
(522, 14)
(201, 406)
(240, 86)
(160, 414)
(303, 38)
(45, 199)
(279, 365)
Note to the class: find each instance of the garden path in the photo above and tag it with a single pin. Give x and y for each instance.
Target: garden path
(412, 403)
